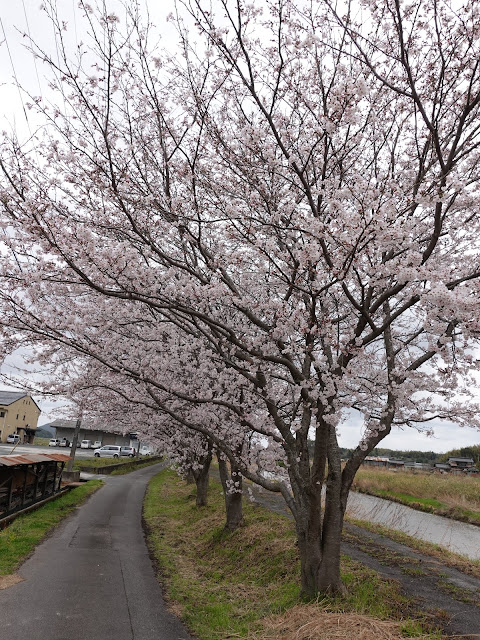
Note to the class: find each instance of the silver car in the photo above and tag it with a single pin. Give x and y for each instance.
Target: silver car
(107, 451)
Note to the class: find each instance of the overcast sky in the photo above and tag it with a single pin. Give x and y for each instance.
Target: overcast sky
(25, 16)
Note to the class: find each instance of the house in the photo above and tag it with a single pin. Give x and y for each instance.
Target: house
(441, 467)
(375, 461)
(461, 465)
(394, 463)
(19, 414)
(456, 466)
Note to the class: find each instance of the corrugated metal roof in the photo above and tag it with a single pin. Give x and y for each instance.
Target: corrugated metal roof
(32, 458)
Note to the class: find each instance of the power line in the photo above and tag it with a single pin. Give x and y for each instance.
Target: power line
(33, 54)
(15, 74)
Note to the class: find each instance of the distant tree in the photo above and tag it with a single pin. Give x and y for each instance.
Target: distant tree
(296, 198)
(418, 456)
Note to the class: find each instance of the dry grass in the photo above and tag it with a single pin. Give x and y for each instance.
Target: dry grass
(455, 496)
(309, 622)
(10, 580)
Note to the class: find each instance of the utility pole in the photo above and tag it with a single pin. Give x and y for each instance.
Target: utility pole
(74, 443)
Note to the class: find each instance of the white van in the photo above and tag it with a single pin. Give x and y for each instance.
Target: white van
(86, 444)
(13, 438)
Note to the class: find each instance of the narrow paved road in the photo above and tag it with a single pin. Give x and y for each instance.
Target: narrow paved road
(93, 578)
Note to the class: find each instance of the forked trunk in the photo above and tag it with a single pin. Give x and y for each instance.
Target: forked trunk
(232, 489)
(319, 530)
(319, 549)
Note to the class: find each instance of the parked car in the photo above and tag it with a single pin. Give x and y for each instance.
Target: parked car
(128, 451)
(13, 438)
(86, 444)
(108, 451)
(146, 450)
(64, 443)
(97, 444)
(54, 442)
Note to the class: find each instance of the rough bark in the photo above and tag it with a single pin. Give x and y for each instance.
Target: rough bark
(232, 490)
(201, 476)
(319, 516)
(201, 482)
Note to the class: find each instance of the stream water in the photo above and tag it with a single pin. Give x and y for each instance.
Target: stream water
(456, 536)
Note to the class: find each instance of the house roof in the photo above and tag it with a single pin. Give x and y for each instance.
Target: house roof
(464, 460)
(9, 397)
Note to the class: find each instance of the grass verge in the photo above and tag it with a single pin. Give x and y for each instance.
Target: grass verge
(245, 584)
(18, 540)
(93, 464)
(134, 467)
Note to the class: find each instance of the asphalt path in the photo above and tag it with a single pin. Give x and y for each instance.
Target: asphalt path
(93, 578)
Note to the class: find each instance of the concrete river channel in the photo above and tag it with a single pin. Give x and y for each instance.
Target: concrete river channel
(459, 537)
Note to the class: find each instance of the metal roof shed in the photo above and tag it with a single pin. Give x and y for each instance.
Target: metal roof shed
(27, 479)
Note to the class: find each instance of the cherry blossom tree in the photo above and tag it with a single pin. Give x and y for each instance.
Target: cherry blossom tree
(117, 403)
(277, 226)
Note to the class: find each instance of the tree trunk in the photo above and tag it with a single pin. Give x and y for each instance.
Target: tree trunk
(319, 549)
(232, 491)
(202, 481)
(309, 539)
(201, 477)
(319, 530)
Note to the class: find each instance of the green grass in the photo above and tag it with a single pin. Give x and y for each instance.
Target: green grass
(92, 464)
(19, 539)
(429, 504)
(224, 584)
(134, 466)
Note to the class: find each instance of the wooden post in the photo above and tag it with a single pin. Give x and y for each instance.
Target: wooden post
(25, 469)
(35, 489)
(10, 491)
(54, 488)
(44, 490)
